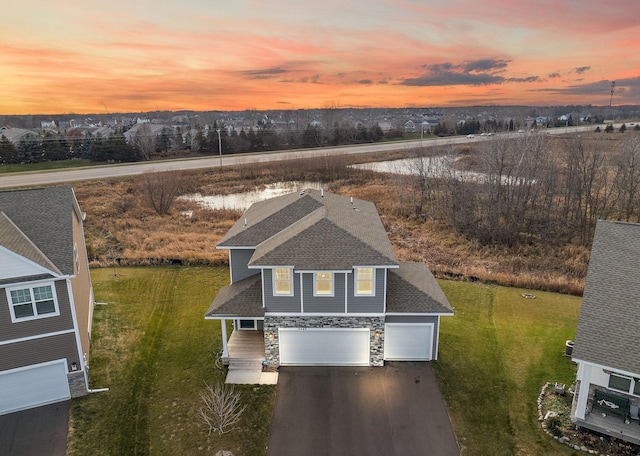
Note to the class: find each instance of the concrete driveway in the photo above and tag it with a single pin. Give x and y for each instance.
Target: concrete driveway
(391, 410)
(35, 432)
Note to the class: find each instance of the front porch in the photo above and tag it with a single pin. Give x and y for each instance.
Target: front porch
(245, 354)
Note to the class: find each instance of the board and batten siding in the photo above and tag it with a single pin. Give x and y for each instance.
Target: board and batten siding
(280, 303)
(324, 304)
(43, 349)
(238, 264)
(44, 325)
(367, 304)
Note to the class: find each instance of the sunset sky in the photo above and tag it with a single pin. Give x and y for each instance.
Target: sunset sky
(65, 56)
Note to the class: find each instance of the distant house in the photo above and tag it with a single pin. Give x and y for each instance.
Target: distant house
(46, 298)
(15, 135)
(315, 274)
(608, 380)
(410, 126)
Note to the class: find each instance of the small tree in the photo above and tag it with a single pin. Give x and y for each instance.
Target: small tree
(161, 189)
(623, 128)
(221, 409)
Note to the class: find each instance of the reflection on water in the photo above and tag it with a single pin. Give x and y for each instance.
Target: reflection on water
(241, 201)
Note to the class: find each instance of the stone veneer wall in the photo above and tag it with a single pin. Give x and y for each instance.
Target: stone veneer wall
(77, 384)
(375, 324)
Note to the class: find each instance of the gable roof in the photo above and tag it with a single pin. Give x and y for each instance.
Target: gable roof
(313, 230)
(609, 321)
(44, 216)
(15, 240)
(239, 299)
(412, 288)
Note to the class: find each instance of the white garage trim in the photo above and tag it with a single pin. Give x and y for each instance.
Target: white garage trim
(408, 341)
(324, 346)
(33, 386)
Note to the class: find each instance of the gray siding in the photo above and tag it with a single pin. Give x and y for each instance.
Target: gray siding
(238, 261)
(40, 350)
(280, 303)
(324, 304)
(64, 321)
(366, 304)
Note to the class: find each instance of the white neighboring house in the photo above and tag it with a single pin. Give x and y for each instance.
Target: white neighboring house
(608, 379)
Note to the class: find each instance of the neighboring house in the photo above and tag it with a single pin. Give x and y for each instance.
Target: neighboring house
(316, 273)
(608, 378)
(46, 298)
(15, 135)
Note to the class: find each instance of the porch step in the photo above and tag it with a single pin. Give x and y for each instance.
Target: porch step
(245, 364)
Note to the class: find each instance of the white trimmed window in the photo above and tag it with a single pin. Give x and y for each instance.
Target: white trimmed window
(282, 282)
(323, 284)
(365, 281)
(29, 303)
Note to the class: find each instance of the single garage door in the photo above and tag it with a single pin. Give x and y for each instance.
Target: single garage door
(408, 341)
(324, 346)
(33, 386)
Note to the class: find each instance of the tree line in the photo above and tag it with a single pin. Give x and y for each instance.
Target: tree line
(512, 190)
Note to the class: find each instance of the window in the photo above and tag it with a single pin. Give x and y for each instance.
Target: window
(33, 302)
(364, 282)
(620, 383)
(282, 281)
(323, 284)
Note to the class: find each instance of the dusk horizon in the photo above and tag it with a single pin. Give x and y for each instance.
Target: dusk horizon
(196, 56)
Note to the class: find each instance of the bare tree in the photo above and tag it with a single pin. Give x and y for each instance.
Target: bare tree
(144, 141)
(161, 189)
(627, 178)
(221, 408)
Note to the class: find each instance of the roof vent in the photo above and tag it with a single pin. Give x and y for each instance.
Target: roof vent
(322, 192)
(302, 193)
(245, 221)
(352, 200)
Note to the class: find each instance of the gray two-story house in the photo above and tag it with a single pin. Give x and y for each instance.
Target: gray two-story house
(316, 274)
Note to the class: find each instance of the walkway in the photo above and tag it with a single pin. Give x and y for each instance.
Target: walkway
(246, 354)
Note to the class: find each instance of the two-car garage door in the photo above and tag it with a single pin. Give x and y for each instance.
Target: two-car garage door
(33, 386)
(324, 346)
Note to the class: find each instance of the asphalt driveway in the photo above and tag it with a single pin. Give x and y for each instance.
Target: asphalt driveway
(391, 410)
(35, 432)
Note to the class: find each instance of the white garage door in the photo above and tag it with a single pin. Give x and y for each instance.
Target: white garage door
(408, 341)
(324, 346)
(33, 386)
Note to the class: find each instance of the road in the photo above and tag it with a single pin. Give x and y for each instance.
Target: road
(30, 179)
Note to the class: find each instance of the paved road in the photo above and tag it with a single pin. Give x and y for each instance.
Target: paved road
(101, 172)
(360, 411)
(35, 432)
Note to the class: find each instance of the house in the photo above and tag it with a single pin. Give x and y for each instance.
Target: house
(46, 298)
(608, 376)
(315, 273)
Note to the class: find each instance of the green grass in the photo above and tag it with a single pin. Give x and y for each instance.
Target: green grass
(495, 354)
(45, 166)
(153, 349)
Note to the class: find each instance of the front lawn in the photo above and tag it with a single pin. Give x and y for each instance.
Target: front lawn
(153, 349)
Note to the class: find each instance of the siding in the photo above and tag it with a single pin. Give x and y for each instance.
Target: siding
(21, 329)
(238, 262)
(39, 351)
(81, 286)
(280, 303)
(419, 319)
(324, 304)
(366, 304)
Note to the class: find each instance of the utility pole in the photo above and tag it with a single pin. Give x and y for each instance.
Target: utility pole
(613, 89)
(220, 147)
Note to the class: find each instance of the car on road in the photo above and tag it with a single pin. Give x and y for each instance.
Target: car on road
(471, 136)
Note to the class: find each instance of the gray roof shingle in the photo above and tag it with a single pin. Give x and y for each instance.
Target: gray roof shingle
(609, 319)
(44, 215)
(412, 289)
(239, 299)
(313, 230)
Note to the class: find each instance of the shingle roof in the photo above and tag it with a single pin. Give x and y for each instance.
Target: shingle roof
(313, 230)
(609, 321)
(239, 299)
(15, 240)
(44, 215)
(412, 289)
